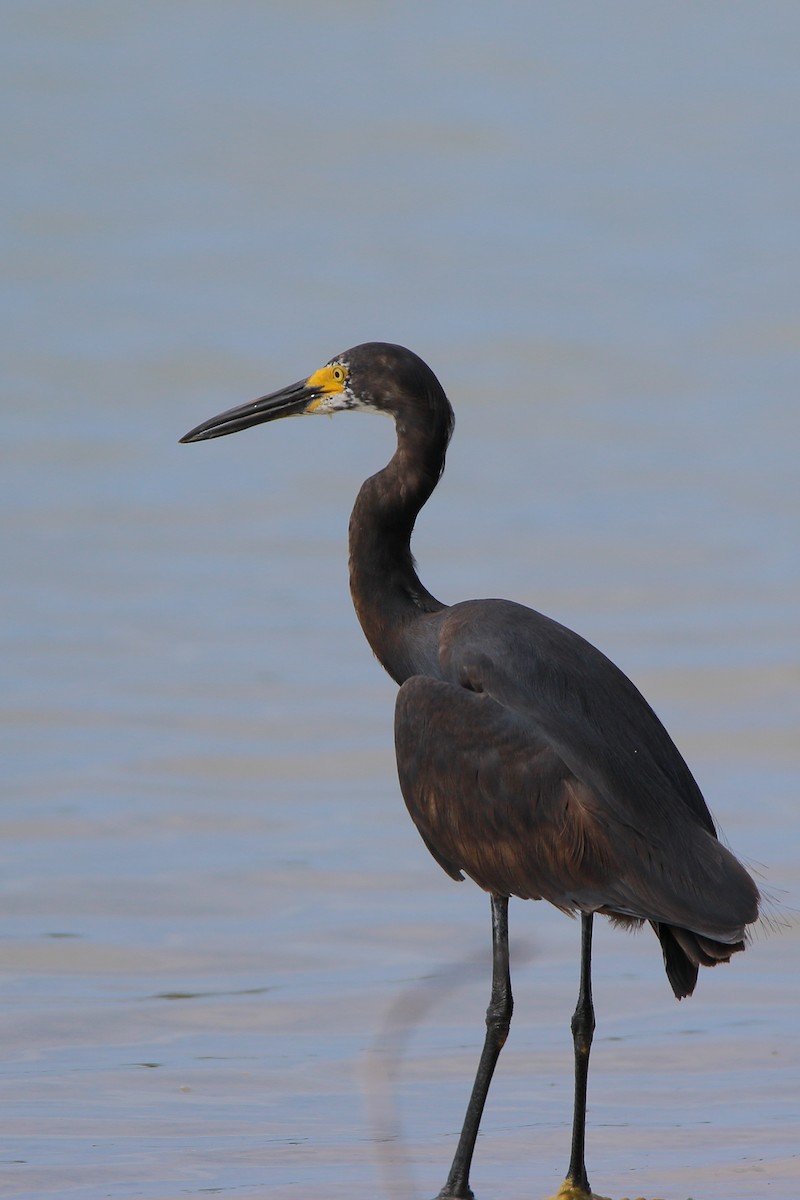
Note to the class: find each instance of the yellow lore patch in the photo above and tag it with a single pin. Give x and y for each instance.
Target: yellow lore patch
(328, 381)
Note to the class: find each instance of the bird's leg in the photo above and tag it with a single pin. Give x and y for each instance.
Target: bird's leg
(498, 1020)
(582, 1030)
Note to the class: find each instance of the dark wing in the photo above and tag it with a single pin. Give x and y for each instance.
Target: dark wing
(490, 797)
(536, 767)
(589, 710)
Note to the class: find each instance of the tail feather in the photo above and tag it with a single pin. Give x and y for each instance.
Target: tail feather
(684, 952)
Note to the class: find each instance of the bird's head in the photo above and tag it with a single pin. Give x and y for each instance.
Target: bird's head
(373, 377)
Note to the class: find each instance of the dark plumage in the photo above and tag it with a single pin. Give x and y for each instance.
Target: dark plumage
(527, 760)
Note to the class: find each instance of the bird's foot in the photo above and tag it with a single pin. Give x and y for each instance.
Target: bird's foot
(568, 1191)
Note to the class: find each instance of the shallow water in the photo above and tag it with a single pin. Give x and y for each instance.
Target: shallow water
(228, 964)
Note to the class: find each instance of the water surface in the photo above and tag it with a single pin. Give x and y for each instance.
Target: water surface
(228, 963)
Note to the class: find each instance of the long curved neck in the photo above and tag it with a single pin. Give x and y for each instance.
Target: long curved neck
(387, 593)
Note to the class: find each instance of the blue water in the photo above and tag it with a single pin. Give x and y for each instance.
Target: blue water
(227, 963)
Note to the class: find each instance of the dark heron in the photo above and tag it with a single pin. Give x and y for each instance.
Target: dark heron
(527, 760)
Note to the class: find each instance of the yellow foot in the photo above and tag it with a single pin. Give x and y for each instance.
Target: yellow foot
(568, 1191)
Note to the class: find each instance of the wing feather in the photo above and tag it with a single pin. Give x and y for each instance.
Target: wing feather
(494, 796)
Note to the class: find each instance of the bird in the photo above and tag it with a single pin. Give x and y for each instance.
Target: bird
(527, 760)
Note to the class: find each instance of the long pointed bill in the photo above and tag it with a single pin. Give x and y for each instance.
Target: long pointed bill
(288, 402)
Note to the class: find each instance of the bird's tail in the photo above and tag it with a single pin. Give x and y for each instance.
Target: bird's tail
(684, 952)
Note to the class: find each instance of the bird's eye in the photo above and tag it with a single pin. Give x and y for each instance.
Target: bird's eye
(338, 374)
